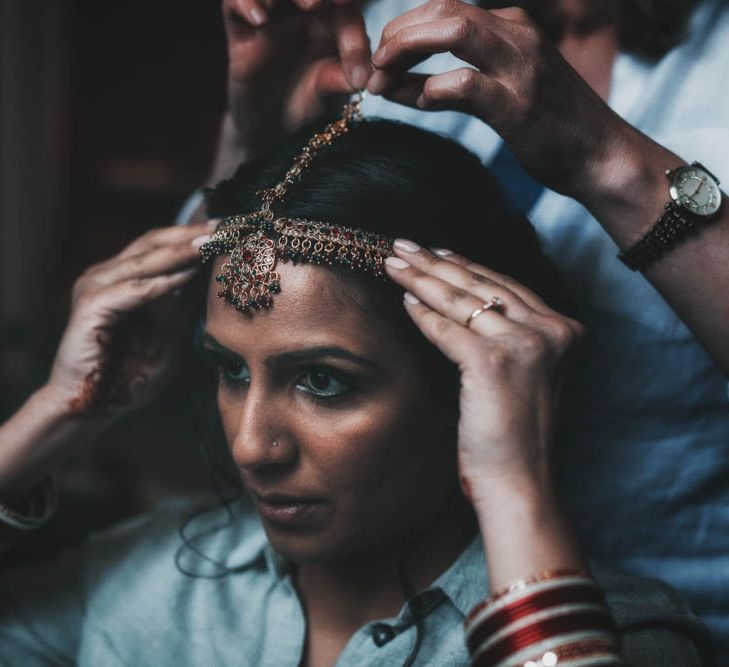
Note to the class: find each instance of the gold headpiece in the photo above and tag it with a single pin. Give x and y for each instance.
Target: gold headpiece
(257, 241)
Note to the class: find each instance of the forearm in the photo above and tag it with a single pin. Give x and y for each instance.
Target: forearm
(523, 529)
(33, 441)
(629, 194)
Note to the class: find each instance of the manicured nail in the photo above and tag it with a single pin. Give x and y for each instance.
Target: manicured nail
(198, 241)
(396, 263)
(420, 102)
(406, 246)
(213, 224)
(442, 252)
(359, 76)
(410, 298)
(258, 16)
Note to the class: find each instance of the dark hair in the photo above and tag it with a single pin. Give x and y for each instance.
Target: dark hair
(399, 180)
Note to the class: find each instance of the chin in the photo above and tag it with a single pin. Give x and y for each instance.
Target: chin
(300, 547)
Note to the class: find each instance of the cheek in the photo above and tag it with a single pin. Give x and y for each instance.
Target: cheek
(381, 454)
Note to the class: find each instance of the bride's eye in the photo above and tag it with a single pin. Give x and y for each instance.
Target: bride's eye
(324, 384)
(233, 372)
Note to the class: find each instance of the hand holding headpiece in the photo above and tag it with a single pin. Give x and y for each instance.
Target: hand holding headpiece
(257, 241)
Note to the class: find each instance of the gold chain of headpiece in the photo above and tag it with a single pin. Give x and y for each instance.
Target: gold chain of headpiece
(352, 112)
(257, 241)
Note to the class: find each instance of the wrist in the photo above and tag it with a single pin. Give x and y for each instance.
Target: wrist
(524, 530)
(54, 407)
(522, 492)
(628, 189)
(40, 434)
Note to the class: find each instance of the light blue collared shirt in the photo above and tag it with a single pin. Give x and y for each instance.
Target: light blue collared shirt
(121, 600)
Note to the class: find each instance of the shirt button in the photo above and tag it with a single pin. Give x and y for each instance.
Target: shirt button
(382, 633)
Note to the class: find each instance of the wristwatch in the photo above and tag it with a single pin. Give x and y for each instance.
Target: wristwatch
(695, 199)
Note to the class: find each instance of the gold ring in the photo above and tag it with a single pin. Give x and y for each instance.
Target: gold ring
(495, 304)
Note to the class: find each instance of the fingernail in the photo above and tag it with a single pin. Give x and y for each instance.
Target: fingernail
(359, 76)
(442, 252)
(420, 102)
(406, 246)
(258, 16)
(213, 224)
(376, 84)
(410, 298)
(396, 263)
(200, 240)
(378, 57)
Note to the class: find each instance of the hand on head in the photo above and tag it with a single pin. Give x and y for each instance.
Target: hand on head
(123, 334)
(511, 350)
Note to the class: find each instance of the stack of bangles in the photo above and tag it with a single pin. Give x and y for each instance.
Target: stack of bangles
(42, 505)
(555, 618)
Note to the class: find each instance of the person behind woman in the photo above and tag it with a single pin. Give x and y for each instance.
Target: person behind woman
(399, 459)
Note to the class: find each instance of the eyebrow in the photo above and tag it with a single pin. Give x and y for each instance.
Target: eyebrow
(209, 344)
(295, 356)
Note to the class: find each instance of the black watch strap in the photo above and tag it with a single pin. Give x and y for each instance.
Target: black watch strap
(674, 225)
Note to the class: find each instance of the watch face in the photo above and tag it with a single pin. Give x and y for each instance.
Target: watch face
(696, 191)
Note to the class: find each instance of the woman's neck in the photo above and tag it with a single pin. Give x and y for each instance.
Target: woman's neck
(341, 596)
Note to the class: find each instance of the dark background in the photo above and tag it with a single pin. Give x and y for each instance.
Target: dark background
(108, 120)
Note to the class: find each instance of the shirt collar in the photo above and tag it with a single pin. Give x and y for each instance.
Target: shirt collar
(466, 581)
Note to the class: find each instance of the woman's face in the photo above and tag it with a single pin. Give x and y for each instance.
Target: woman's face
(329, 420)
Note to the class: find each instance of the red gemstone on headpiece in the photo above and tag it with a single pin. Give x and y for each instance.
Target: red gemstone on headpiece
(348, 236)
(247, 255)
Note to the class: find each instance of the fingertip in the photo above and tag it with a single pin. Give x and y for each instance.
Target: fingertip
(257, 16)
(358, 77)
(410, 299)
(377, 83)
(199, 241)
(307, 5)
(396, 263)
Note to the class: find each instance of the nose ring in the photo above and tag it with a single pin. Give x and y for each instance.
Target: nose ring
(274, 444)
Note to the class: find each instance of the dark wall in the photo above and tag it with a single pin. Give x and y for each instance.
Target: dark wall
(109, 114)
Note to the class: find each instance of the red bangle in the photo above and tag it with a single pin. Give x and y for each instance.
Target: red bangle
(553, 614)
(550, 628)
(521, 584)
(532, 604)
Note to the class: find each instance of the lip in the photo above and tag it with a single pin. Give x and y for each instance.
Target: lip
(288, 510)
